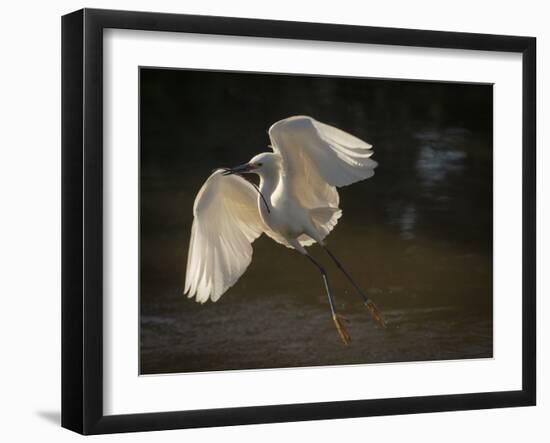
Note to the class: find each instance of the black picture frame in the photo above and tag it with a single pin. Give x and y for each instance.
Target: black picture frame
(82, 220)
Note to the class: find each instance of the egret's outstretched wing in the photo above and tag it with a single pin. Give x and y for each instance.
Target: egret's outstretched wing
(226, 222)
(318, 157)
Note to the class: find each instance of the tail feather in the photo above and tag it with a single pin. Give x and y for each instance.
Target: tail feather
(325, 219)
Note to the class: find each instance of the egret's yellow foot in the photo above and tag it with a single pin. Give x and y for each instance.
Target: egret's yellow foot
(375, 313)
(342, 332)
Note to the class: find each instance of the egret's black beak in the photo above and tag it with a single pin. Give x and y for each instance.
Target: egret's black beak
(241, 169)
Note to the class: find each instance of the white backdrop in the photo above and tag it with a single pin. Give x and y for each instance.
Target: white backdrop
(127, 393)
(30, 234)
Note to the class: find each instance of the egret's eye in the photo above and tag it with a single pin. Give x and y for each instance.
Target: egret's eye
(259, 164)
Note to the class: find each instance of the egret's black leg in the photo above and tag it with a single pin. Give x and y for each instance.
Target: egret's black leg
(342, 332)
(373, 309)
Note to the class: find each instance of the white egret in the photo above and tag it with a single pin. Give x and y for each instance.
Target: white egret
(296, 204)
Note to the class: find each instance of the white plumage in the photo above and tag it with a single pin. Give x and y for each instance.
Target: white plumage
(296, 203)
(226, 222)
(318, 157)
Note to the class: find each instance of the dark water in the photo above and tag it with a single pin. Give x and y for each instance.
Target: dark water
(417, 236)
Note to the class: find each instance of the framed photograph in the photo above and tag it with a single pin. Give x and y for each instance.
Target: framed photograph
(269, 221)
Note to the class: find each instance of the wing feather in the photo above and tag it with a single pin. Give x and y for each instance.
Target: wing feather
(317, 158)
(226, 222)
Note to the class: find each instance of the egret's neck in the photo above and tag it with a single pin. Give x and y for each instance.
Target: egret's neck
(269, 181)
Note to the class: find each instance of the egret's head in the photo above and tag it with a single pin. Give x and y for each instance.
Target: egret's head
(266, 162)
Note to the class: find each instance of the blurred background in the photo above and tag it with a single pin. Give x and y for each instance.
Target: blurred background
(417, 236)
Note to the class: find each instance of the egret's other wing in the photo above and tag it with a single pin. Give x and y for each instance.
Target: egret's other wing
(318, 157)
(226, 222)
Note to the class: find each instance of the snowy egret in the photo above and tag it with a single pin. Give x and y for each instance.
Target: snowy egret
(296, 204)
